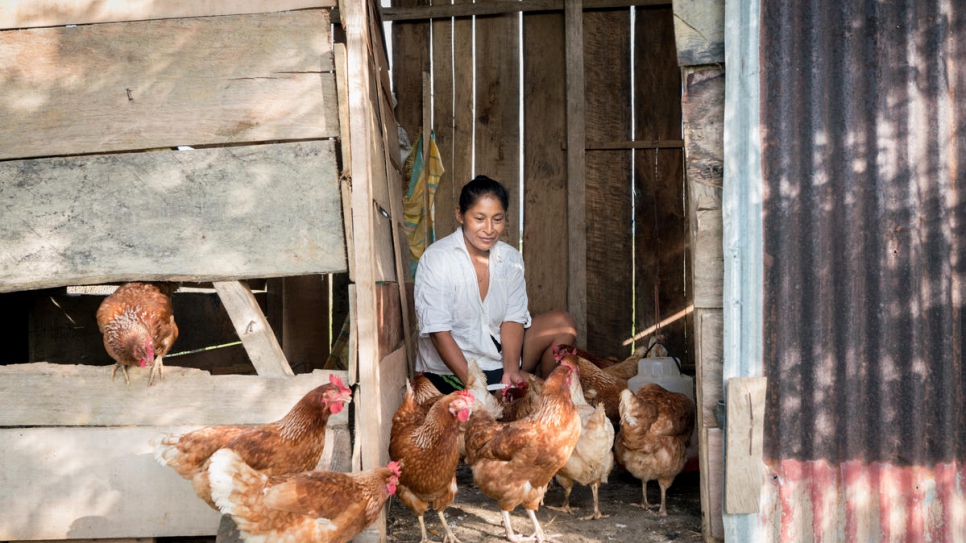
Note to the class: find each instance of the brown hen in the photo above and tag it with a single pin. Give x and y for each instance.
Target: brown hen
(655, 432)
(138, 326)
(426, 442)
(292, 444)
(318, 506)
(513, 462)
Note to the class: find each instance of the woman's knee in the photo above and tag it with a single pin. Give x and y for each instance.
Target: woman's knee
(558, 323)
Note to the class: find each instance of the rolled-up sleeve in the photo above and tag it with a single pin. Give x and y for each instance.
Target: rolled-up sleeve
(517, 302)
(431, 296)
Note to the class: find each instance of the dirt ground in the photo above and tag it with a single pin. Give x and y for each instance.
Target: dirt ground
(474, 517)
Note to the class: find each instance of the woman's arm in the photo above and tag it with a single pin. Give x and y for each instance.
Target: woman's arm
(451, 353)
(511, 335)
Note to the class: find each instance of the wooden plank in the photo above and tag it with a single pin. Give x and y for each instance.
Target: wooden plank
(438, 11)
(447, 192)
(95, 89)
(305, 322)
(708, 361)
(60, 483)
(703, 114)
(661, 281)
(713, 492)
(609, 268)
(699, 32)
(545, 163)
(410, 59)
(34, 13)
(576, 170)
(464, 115)
(388, 319)
(57, 231)
(253, 329)
(743, 441)
(32, 395)
(497, 132)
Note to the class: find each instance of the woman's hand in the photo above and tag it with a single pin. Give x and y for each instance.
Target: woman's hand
(514, 377)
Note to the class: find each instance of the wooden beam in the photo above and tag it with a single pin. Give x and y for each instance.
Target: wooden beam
(164, 84)
(576, 186)
(35, 13)
(173, 215)
(625, 144)
(445, 11)
(744, 436)
(253, 329)
(31, 395)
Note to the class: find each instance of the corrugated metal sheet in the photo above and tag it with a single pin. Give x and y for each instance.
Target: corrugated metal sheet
(863, 119)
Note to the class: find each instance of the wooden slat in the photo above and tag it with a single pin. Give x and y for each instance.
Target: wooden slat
(699, 32)
(253, 329)
(743, 442)
(608, 178)
(59, 483)
(32, 395)
(463, 169)
(503, 7)
(703, 112)
(545, 249)
(576, 170)
(712, 493)
(199, 215)
(447, 192)
(661, 232)
(498, 109)
(96, 89)
(709, 326)
(34, 13)
(410, 49)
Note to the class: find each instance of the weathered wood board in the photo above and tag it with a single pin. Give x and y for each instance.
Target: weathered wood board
(43, 394)
(608, 176)
(34, 13)
(229, 213)
(87, 469)
(699, 31)
(744, 464)
(144, 85)
(545, 248)
(253, 329)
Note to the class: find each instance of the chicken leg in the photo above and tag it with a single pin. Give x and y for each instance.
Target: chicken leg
(123, 370)
(156, 368)
(510, 534)
(597, 514)
(450, 536)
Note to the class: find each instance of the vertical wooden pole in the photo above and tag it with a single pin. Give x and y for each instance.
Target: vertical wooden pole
(576, 187)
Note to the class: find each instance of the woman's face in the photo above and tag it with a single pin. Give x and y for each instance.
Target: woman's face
(483, 223)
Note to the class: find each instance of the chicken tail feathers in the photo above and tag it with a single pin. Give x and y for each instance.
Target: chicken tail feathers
(235, 486)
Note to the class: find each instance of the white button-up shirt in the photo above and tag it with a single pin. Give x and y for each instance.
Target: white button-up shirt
(447, 298)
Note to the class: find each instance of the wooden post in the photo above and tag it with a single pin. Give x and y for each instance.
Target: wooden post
(253, 329)
(743, 442)
(576, 187)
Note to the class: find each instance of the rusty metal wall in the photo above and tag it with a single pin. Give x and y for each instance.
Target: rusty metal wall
(863, 113)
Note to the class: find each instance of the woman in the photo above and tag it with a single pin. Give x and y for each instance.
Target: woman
(471, 301)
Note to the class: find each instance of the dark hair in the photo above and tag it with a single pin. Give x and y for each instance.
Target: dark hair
(479, 187)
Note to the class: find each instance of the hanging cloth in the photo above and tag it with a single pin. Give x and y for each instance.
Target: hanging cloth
(417, 213)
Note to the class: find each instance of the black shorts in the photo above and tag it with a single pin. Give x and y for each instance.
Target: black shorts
(451, 383)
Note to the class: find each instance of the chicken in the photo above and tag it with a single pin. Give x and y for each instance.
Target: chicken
(599, 386)
(513, 462)
(654, 435)
(476, 383)
(292, 444)
(426, 442)
(628, 368)
(319, 506)
(592, 459)
(424, 391)
(519, 401)
(138, 326)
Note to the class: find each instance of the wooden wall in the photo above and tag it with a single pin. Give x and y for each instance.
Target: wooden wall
(636, 219)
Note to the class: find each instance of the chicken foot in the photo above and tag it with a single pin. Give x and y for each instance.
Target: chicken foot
(662, 511)
(510, 534)
(538, 534)
(597, 514)
(450, 536)
(123, 370)
(565, 507)
(156, 368)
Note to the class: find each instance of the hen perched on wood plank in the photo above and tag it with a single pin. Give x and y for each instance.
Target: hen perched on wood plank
(138, 326)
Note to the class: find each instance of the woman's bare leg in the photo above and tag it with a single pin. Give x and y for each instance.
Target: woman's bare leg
(546, 330)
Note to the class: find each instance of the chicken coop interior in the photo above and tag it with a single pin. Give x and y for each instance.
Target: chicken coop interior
(255, 154)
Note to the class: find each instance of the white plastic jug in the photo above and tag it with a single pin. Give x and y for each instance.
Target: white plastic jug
(664, 371)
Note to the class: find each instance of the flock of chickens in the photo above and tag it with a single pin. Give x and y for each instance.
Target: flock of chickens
(570, 426)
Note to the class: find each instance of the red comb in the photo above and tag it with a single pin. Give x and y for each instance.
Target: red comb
(335, 380)
(395, 468)
(466, 393)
